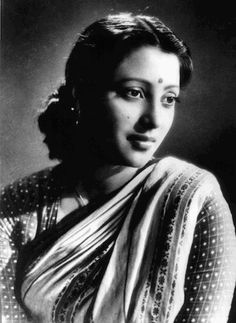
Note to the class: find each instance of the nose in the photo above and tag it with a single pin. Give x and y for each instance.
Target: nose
(152, 116)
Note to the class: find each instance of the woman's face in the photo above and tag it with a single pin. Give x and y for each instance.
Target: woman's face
(135, 113)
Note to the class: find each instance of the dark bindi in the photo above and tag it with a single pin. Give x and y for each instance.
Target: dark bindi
(160, 80)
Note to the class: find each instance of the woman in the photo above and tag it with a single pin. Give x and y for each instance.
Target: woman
(112, 234)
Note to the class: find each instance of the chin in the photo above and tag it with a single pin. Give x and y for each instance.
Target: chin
(137, 160)
(130, 157)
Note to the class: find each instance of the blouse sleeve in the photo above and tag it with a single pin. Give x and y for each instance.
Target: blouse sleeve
(26, 208)
(18, 225)
(211, 271)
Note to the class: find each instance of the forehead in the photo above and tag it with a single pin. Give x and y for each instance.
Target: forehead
(150, 64)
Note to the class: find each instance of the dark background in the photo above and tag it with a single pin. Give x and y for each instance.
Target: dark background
(37, 36)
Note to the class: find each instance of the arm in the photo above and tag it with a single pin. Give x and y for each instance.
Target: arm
(11, 230)
(211, 271)
(25, 209)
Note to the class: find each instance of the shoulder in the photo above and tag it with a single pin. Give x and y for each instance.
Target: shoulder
(182, 174)
(193, 188)
(33, 180)
(27, 191)
(172, 166)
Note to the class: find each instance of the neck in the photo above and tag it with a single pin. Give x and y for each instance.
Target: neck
(95, 174)
(104, 179)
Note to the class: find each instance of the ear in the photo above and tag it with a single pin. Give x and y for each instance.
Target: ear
(74, 93)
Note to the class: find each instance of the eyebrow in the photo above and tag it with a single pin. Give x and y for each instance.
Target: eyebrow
(171, 86)
(129, 79)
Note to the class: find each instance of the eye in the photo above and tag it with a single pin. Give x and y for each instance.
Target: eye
(132, 93)
(170, 99)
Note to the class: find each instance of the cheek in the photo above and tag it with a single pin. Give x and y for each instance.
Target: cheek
(114, 117)
(119, 118)
(170, 119)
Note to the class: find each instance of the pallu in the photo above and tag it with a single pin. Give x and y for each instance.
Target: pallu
(158, 250)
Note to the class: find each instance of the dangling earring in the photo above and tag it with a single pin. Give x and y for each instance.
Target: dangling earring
(76, 112)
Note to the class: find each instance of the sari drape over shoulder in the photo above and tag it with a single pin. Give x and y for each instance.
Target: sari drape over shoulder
(158, 250)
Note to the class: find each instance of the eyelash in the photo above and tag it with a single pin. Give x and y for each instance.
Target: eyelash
(175, 98)
(127, 93)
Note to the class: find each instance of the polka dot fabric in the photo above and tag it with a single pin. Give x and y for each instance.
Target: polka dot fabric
(29, 207)
(210, 276)
(21, 218)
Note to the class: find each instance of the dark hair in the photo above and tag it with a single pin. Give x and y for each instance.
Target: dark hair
(96, 53)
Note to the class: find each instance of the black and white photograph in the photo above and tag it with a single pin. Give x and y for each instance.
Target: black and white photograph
(117, 161)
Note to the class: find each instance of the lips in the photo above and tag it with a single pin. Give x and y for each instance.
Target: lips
(140, 137)
(141, 142)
